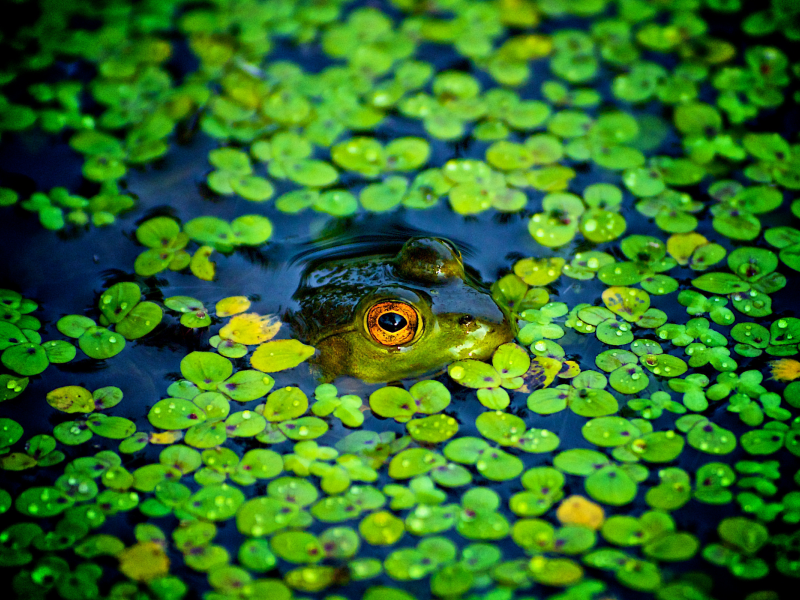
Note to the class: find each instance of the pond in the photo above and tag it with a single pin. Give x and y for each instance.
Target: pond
(400, 299)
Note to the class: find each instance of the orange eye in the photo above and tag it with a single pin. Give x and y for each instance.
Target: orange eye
(392, 323)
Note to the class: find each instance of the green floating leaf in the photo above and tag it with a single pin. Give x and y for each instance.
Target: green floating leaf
(433, 429)
(710, 438)
(474, 374)
(118, 300)
(720, 283)
(285, 403)
(393, 403)
(42, 502)
(559, 572)
(658, 446)
(115, 428)
(11, 387)
(386, 593)
(10, 335)
(10, 432)
(140, 321)
(246, 385)
(611, 485)
(549, 401)
(280, 355)
(59, 351)
(71, 399)
(610, 431)
(206, 369)
(72, 433)
(175, 413)
(676, 546)
(251, 230)
(413, 462)
(763, 441)
(26, 359)
(100, 343)
(673, 491)
(215, 502)
(159, 232)
(745, 535)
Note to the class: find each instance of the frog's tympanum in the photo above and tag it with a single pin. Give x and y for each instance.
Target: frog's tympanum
(384, 318)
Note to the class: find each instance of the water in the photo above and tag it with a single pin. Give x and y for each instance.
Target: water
(66, 272)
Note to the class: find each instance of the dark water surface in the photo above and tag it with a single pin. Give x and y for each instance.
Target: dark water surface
(66, 272)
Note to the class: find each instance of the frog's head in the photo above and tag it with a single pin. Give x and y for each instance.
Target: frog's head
(385, 318)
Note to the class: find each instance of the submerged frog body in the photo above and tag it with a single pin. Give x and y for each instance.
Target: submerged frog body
(384, 318)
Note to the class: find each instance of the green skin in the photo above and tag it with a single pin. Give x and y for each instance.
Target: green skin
(459, 319)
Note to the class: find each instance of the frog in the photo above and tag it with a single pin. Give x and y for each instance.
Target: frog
(383, 318)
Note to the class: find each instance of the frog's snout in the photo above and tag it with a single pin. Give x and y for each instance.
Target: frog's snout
(493, 328)
(502, 332)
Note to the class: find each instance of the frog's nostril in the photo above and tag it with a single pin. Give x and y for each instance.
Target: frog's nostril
(466, 320)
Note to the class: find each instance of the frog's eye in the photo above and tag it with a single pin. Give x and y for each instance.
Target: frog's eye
(392, 323)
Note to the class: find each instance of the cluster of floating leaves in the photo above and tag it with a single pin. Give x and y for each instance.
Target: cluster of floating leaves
(24, 353)
(58, 207)
(166, 242)
(320, 498)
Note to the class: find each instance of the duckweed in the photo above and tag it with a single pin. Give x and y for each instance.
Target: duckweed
(664, 188)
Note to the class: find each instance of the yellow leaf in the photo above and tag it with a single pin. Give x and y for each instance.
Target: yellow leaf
(577, 510)
(165, 437)
(628, 303)
(557, 572)
(144, 561)
(71, 399)
(681, 246)
(525, 47)
(519, 13)
(17, 461)
(280, 355)
(201, 267)
(785, 369)
(251, 329)
(542, 372)
(569, 370)
(537, 46)
(232, 306)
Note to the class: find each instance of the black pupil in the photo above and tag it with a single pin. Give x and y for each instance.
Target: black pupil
(392, 322)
